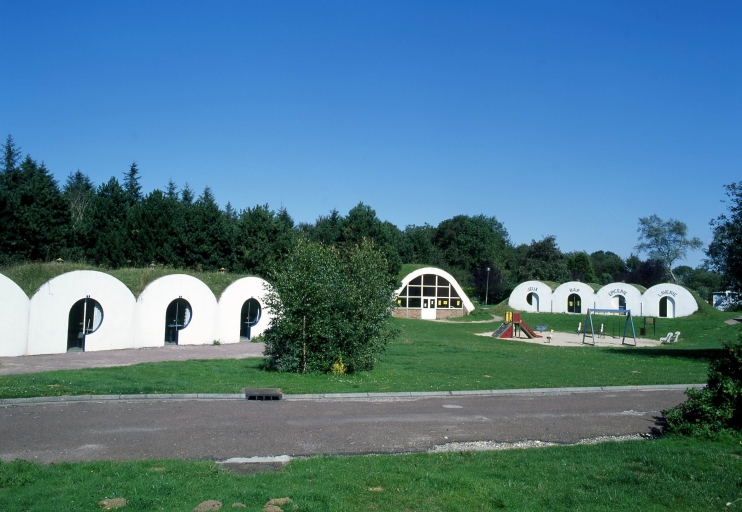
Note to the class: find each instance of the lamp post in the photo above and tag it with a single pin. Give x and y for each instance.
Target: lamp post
(486, 293)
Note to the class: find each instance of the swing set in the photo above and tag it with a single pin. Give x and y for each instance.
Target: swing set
(625, 312)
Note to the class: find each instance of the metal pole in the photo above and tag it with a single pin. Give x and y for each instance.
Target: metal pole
(487, 293)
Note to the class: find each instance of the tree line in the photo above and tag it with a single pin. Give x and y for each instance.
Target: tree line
(115, 224)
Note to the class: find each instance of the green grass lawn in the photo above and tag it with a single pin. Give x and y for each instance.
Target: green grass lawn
(427, 356)
(667, 474)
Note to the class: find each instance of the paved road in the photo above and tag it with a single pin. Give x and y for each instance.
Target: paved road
(222, 429)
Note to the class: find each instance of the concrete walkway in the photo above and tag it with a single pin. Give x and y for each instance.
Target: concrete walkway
(107, 358)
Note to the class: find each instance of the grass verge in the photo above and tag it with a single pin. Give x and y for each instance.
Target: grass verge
(30, 276)
(671, 473)
(428, 356)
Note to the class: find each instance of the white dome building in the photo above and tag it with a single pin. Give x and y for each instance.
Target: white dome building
(242, 312)
(431, 293)
(81, 310)
(14, 307)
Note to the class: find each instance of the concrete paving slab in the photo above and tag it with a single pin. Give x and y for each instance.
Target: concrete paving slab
(109, 358)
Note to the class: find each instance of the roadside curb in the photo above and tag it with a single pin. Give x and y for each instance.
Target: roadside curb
(403, 395)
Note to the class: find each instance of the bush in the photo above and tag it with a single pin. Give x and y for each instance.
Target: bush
(717, 407)
(332, 309)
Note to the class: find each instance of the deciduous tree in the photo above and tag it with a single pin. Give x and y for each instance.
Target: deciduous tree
(332, 308)
(665, 241)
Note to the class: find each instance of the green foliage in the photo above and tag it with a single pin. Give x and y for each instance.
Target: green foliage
(264, 238)
(361, 224)
(34, 216)
(718, 406)
(329, 304)
(110, 244)
(543, 261)
(131, 184)
(80, 195)
(725, 251)
(11, 155)
(608, 266)
(702, 280)
(469, 243)
(581, 268)
(665, 241)
(422, 248)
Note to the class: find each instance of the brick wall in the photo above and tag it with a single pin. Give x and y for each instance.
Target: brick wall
(415, 313)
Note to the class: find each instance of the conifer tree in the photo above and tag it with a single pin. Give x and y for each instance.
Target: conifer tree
(36, 219)
(111, 244)
(11, 155)
(131, 184)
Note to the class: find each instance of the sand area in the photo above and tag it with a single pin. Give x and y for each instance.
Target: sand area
(572, 339)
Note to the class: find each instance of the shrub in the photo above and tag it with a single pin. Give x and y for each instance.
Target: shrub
(718, 406)
(330, 305)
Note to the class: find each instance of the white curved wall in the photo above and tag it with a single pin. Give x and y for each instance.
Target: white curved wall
(152, 304)
(14, 307)
(468, 305)
(607, 297)
(230, 307)
(679, 299)
(561, 294)
(519, 297)
(50, 308)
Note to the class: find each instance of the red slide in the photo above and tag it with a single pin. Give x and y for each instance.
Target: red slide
(530, 333)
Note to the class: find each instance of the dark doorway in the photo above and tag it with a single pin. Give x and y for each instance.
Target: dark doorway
(621, 302)
(249, 317)
(663, 307)
(85, 317)
(177, 318)
(574, 304)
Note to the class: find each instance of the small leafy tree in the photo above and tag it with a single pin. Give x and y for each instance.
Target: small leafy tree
(665, 241)
(332, 309)
(718, 406)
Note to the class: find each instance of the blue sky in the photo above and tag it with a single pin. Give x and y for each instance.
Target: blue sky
(570, 119)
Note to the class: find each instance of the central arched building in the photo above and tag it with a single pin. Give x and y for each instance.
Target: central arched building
(431, 293)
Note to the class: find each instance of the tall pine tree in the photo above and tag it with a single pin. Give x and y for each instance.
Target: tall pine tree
(131, 184)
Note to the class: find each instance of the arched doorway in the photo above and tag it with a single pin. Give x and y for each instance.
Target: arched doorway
(532, 299)
(618, 302)
(177, 318)
(667, 307)
(574, 303)
(249, 317)
(85, 317)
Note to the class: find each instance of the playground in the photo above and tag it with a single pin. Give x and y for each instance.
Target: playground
(573, 339)
(590, 333)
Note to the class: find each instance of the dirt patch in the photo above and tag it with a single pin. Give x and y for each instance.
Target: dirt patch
(275, 504)
(113, 503)
(208, 505)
